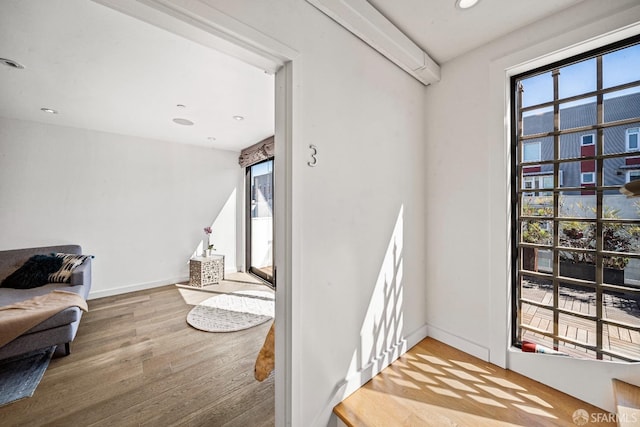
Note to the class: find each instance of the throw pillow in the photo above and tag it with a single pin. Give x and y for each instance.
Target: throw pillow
(33, 273)
(69, 263)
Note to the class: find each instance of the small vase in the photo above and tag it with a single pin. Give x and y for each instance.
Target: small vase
(207, 253)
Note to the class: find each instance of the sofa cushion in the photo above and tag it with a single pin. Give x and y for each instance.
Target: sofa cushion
(33, 273)
(69, 263)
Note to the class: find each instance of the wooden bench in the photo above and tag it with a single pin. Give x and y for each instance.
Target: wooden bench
(627, 398)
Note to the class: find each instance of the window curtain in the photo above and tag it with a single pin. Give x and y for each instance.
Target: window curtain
(263, 150)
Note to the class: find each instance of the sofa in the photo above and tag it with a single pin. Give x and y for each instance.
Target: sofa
(60, 329)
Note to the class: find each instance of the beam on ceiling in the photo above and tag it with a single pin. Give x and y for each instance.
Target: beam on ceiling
(365, 22)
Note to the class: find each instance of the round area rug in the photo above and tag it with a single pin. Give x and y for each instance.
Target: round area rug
(233, 312)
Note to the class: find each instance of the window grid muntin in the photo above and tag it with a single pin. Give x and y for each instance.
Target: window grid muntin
(598, 284)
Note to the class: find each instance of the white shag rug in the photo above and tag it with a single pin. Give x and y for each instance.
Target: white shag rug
(233, 312)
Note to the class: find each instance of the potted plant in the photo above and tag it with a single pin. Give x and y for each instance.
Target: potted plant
(582, 235)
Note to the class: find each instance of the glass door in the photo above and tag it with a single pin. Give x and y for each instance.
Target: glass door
(260, 220)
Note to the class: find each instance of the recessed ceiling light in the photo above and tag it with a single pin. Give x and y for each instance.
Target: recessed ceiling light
(11, 63)
(466, 4)
(238, 118)
(49, 110)
(183, 122)
(211, 138)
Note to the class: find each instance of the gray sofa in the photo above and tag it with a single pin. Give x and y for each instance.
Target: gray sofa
(59, 329)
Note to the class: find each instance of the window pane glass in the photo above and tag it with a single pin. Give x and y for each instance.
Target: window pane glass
(537, 89)
(539, 232)
(622, 340)
(619, 206)
(572, 172)
(537, 289)
(579, 299)
(577, 234)
(615, 270)
(537, 121)
(578, 113)
(623, 307)
(614, 172)
(621, 105)
(575, 204)
(571, 146)
(616, 69)
(537, 317)
(620, 237)
(576, 328)
(577, 78)
(537, 206)
(616, 138)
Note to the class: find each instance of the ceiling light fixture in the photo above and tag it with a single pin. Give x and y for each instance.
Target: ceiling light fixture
(183, 122)
(11, 63)
(238, 118)
(466, 4)
(49, 110)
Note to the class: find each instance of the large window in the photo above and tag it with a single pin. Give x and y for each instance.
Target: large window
(576, 282)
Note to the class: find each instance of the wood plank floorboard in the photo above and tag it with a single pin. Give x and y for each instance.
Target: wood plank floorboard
(434, 384)
(136, 362)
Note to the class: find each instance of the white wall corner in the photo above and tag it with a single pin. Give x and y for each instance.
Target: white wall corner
(366, 23)
(460, 343)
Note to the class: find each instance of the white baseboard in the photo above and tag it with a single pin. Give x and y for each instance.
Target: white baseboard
(359, 378)
(135, 287)
(458, 342)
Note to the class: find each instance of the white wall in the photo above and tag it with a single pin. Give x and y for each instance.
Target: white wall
(467, 194)
(365, 197)
(138, 205)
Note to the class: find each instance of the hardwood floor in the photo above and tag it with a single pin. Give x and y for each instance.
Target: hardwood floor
(434, 384)
(136, 362)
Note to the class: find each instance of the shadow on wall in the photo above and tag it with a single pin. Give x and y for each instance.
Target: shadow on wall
(382, 332)
(223, 233)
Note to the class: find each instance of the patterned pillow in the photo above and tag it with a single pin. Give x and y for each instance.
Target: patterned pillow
(69, 263)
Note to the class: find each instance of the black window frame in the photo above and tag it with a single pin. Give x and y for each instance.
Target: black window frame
(515, 183)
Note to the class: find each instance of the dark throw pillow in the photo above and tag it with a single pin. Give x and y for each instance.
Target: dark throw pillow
(33, 273)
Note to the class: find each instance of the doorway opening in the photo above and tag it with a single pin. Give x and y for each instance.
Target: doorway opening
(259, 220)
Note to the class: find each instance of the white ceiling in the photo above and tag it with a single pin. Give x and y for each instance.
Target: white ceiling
(106, 71)
(444, 31)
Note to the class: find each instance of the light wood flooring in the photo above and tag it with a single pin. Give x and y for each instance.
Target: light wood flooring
(434, 384)
(136, 362)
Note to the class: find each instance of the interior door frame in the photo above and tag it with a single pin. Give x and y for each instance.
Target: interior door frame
(206, 25)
